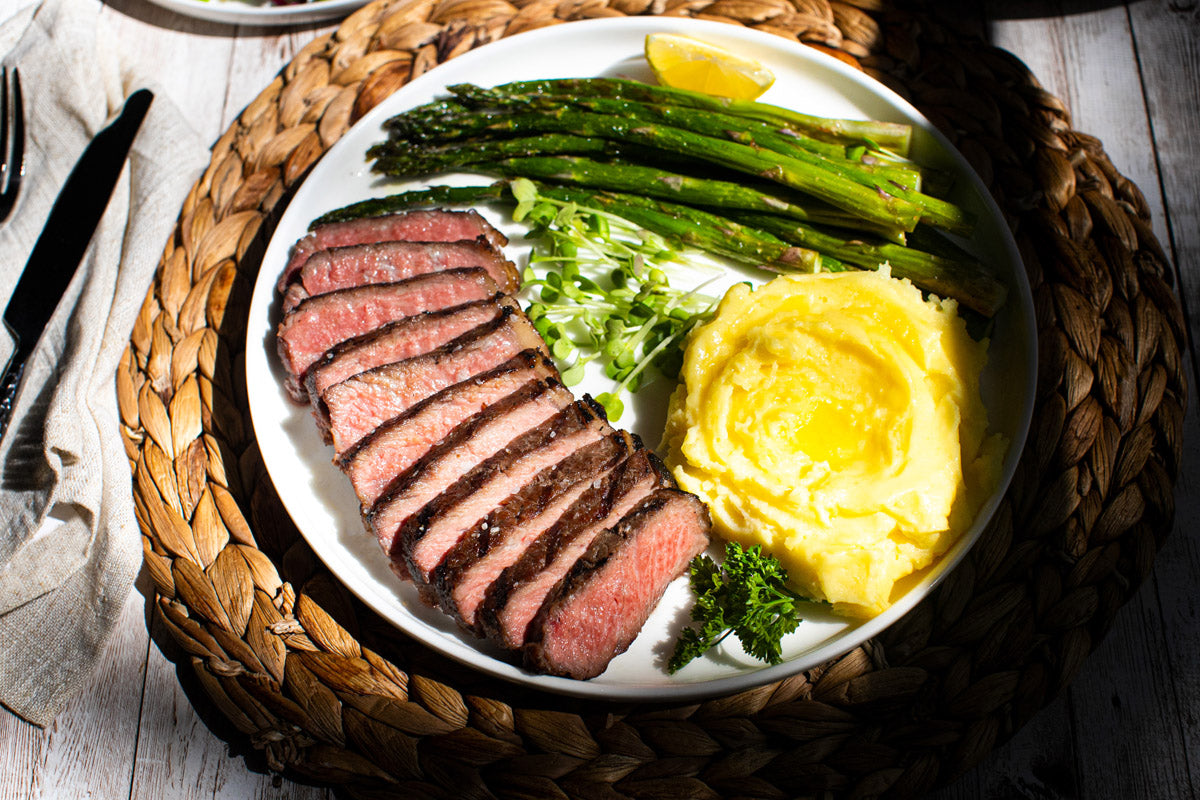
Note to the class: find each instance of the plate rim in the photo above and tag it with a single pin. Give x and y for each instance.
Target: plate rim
(753, 676)
(234, 13)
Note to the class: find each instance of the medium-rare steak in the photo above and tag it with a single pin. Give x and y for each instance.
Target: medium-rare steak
(396, 341)
(419, 226)
(465, 447)
(360, 404)
(477, 559)
(388, 262)
(434, 530)
(514, 598)
(319, 323)
(514, 507)
(596, 611)
(397, 444)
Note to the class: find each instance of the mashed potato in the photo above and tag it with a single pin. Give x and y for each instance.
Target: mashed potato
(836, 420)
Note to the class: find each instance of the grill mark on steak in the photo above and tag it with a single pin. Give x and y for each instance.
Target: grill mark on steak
(320, 323)
(395, 341)
(469, 568)
(392, 261)
(427, 535)
(514, 598)
(466, 446)
(360, 404)
(396, 445)
(513, 506)
(596, 611)
(426, 225)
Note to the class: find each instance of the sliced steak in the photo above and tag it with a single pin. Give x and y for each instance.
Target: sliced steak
(600, 606)
(429, 534)
(388, 262)
(418, 226)
(317, 324)
(398, 443)
(396, 341)
(515, 597)
(477, 559)
(360, 404)
(464, 448)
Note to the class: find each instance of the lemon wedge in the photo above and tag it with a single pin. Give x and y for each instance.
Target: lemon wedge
(682, 62)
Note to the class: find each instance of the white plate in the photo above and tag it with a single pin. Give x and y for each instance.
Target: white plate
(319, 497)
(261, 12)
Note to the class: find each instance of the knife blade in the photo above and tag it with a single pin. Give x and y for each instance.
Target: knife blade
(64, 240)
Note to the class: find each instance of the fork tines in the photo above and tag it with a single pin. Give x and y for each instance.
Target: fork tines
(12, 139)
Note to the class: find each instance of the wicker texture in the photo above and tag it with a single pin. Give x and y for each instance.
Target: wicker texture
(332, 693)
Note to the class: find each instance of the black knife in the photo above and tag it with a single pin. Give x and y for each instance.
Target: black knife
(64, 240)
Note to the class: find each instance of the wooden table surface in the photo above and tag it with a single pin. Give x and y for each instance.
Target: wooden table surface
(1129, 725)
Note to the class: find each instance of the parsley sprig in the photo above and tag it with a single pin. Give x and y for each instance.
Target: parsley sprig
(746, 596)
(601, 290)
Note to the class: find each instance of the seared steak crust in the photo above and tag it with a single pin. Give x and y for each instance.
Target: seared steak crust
(388, 262)
(420, 225)
(396, 341)
(427, 535)
(514, 507)
(467, 445)
(320, 323)
(387, 451)
(597, 609)
(360, 404)
(478, 558)
(515, 597)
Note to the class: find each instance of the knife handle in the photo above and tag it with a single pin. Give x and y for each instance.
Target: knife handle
(9, 385)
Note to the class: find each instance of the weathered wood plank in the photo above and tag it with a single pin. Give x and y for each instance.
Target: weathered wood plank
(1130, 732)
(1077, 56)
(1167, 35)
(186, 57)
(188, 749)
(88, 749)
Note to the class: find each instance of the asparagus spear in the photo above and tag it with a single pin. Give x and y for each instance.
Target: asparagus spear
(393, 158)
(754, 239)
(414, 133)
(869, 202)
(696, 228)
(703, 232)
(967, 282)
(852, 159)
(964, 279)
(623, 177)
(420, 198)
(896, 137)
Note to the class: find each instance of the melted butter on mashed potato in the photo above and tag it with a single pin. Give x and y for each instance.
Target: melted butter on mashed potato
(836, 420)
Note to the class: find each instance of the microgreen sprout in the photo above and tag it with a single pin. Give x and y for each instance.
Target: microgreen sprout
(599, 290)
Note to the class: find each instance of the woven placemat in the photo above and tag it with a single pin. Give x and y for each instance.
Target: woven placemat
(332, 693)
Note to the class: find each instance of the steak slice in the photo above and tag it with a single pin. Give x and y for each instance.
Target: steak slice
(600, 606)
(477, 559)
(465, 447)
(396, 341)
(360, 404)
(388, 262)
(397, 444)
(424, 225)
(319, 323)
(515, 597)
(428, 535)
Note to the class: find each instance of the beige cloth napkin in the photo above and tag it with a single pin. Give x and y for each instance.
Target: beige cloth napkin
(69, 544)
